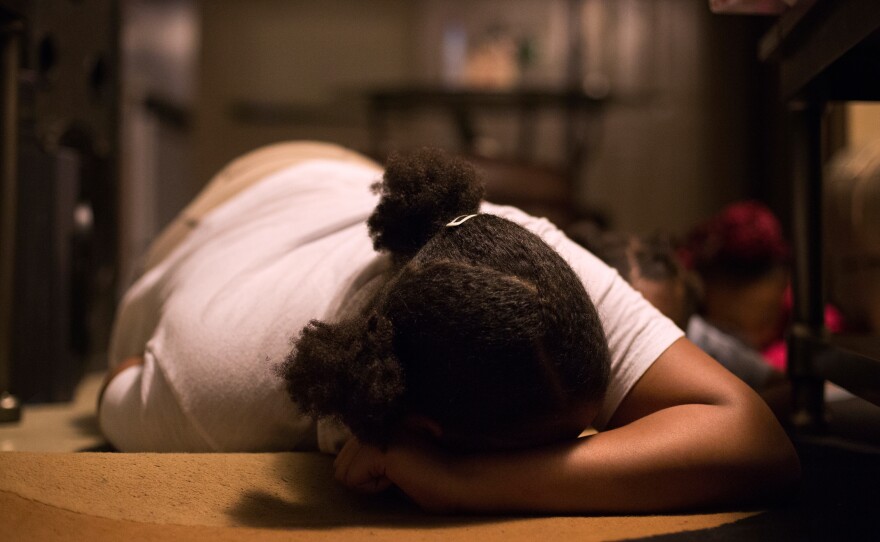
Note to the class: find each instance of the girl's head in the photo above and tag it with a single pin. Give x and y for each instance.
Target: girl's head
(483, 330)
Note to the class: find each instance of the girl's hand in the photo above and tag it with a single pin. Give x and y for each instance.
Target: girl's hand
(361, 467)
(413, 464)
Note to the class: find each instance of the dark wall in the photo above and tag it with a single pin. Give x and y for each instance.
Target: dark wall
(60, 165)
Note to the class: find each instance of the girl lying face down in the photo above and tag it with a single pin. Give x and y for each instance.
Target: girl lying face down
(472, 372)
(484, 332)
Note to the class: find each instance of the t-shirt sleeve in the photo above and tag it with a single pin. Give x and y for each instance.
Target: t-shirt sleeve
(637, 333)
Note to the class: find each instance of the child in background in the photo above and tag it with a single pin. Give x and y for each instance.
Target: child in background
(650, 265)
(743, 262)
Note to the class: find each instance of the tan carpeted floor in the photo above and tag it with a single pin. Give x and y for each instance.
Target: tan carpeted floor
(257, 497)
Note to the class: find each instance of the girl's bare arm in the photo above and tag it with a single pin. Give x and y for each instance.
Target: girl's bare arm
(688, 435)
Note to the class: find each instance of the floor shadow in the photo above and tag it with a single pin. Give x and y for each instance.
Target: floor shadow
(103, 447)
(318, 502)
(86, 425)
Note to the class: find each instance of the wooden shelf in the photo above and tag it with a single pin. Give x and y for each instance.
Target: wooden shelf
(852, 363)
(827, 50)
(516, 176)
(443, 97)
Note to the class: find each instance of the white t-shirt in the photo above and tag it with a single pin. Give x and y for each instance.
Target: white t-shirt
(216, 317)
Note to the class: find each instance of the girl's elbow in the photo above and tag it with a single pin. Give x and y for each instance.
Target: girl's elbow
(786, 467)
(772, 457)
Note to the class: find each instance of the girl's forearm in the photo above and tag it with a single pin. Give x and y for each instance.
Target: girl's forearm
(688, 435)
(683, 457)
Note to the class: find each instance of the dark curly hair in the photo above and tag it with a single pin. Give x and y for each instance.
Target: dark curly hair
(483, 327)
(649, 257)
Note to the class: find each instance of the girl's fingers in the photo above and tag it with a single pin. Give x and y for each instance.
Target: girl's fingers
(345, 459)
(340, 456)
(375, 485)
(361, 467)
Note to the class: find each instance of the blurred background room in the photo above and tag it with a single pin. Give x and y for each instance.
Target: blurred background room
(641, 116)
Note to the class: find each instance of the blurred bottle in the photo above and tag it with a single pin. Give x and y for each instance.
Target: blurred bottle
(455, 44)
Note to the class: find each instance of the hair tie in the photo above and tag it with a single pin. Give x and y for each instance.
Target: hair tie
(459, 220)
